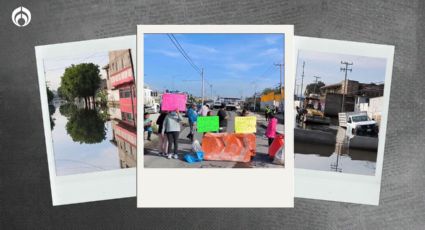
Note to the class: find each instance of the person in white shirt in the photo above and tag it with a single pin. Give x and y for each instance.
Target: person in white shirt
(204, 110)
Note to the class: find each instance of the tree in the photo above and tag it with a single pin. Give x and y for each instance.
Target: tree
(86, 126)
(313, 88)
(68, 109)
(50, 95)
(52, 110)
(267, 90)
(80, 81)
(102, 97)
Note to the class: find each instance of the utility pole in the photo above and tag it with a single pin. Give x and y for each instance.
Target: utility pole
(255, 92)
(315, 85)
(211, 88)
(296, 89)
(281, 85)
(345, 69)
(203, 85)
(302, 79)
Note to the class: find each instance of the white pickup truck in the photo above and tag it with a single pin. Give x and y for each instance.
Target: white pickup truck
(150, 105)
(358, 124)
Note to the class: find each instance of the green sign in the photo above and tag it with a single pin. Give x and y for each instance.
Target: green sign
(207, 124)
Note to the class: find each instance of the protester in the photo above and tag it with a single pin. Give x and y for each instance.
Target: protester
(204, 110)
(171, 127)
(147, 125)
(222, 118)
(192, 117)
(267, 112)
(163, 141)
(244, 113)
(271, 128)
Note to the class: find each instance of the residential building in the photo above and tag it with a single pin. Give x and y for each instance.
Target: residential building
(121, 85)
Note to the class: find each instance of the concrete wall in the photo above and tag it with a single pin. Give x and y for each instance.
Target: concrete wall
(333, 104)
(375, 108)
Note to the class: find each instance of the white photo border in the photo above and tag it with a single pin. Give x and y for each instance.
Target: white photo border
(85, 187)
(214, 187)
(343, 187)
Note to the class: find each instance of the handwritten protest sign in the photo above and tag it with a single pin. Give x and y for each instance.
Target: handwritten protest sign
(173, 101)
(246, 124)
(207, 124)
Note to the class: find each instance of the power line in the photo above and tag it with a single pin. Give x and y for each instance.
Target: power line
(183, 52)
(190, 61)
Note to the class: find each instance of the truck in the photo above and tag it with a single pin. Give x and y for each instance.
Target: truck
(150, 105)
(233, 106)
(217, 104)
(358, 124)
(311, 113)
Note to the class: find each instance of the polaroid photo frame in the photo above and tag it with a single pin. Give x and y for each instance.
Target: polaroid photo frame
(337, 186)
(92, 186)
(216, 187)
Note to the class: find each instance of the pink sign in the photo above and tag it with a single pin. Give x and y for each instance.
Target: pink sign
(173, 101)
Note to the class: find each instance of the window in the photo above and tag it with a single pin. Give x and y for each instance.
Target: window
(125, 93)
(127, 116)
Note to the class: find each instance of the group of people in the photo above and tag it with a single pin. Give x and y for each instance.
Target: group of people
(168, 132)
(206, 111)
(269, 111)
(169, 126)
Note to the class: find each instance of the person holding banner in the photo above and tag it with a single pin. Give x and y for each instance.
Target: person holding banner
(271, 128)
(171, 128)
(222, 117)
(204, 110)
(192, 116)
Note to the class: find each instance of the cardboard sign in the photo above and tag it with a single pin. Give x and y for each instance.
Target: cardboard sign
(207, 124)
(246, 124)
(173, 101)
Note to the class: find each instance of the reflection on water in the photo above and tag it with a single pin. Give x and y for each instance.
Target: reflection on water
(81, 141)
(337, 157)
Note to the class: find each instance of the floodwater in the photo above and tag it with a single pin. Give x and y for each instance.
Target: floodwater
(335, 153)
(81, 140)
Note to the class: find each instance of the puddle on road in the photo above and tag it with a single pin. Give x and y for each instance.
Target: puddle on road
(339, 157)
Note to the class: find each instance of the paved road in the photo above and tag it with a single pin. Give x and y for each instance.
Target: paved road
(153, 160)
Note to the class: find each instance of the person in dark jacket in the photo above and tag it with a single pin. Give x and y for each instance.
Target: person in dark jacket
(163, 141)
(222, 118)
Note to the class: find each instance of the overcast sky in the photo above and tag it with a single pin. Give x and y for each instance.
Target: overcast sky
(327, 66)
(231, 62)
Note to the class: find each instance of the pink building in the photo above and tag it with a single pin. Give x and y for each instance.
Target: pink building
(120, 76)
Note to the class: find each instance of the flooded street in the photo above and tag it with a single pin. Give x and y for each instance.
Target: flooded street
(81, 141)
(327, 148)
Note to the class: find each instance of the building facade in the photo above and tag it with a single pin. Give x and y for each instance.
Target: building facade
(121, 84)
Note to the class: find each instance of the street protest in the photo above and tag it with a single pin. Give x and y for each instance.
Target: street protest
(189, 126)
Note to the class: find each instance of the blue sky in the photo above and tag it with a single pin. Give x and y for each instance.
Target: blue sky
(327, 66)
(233, 63)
